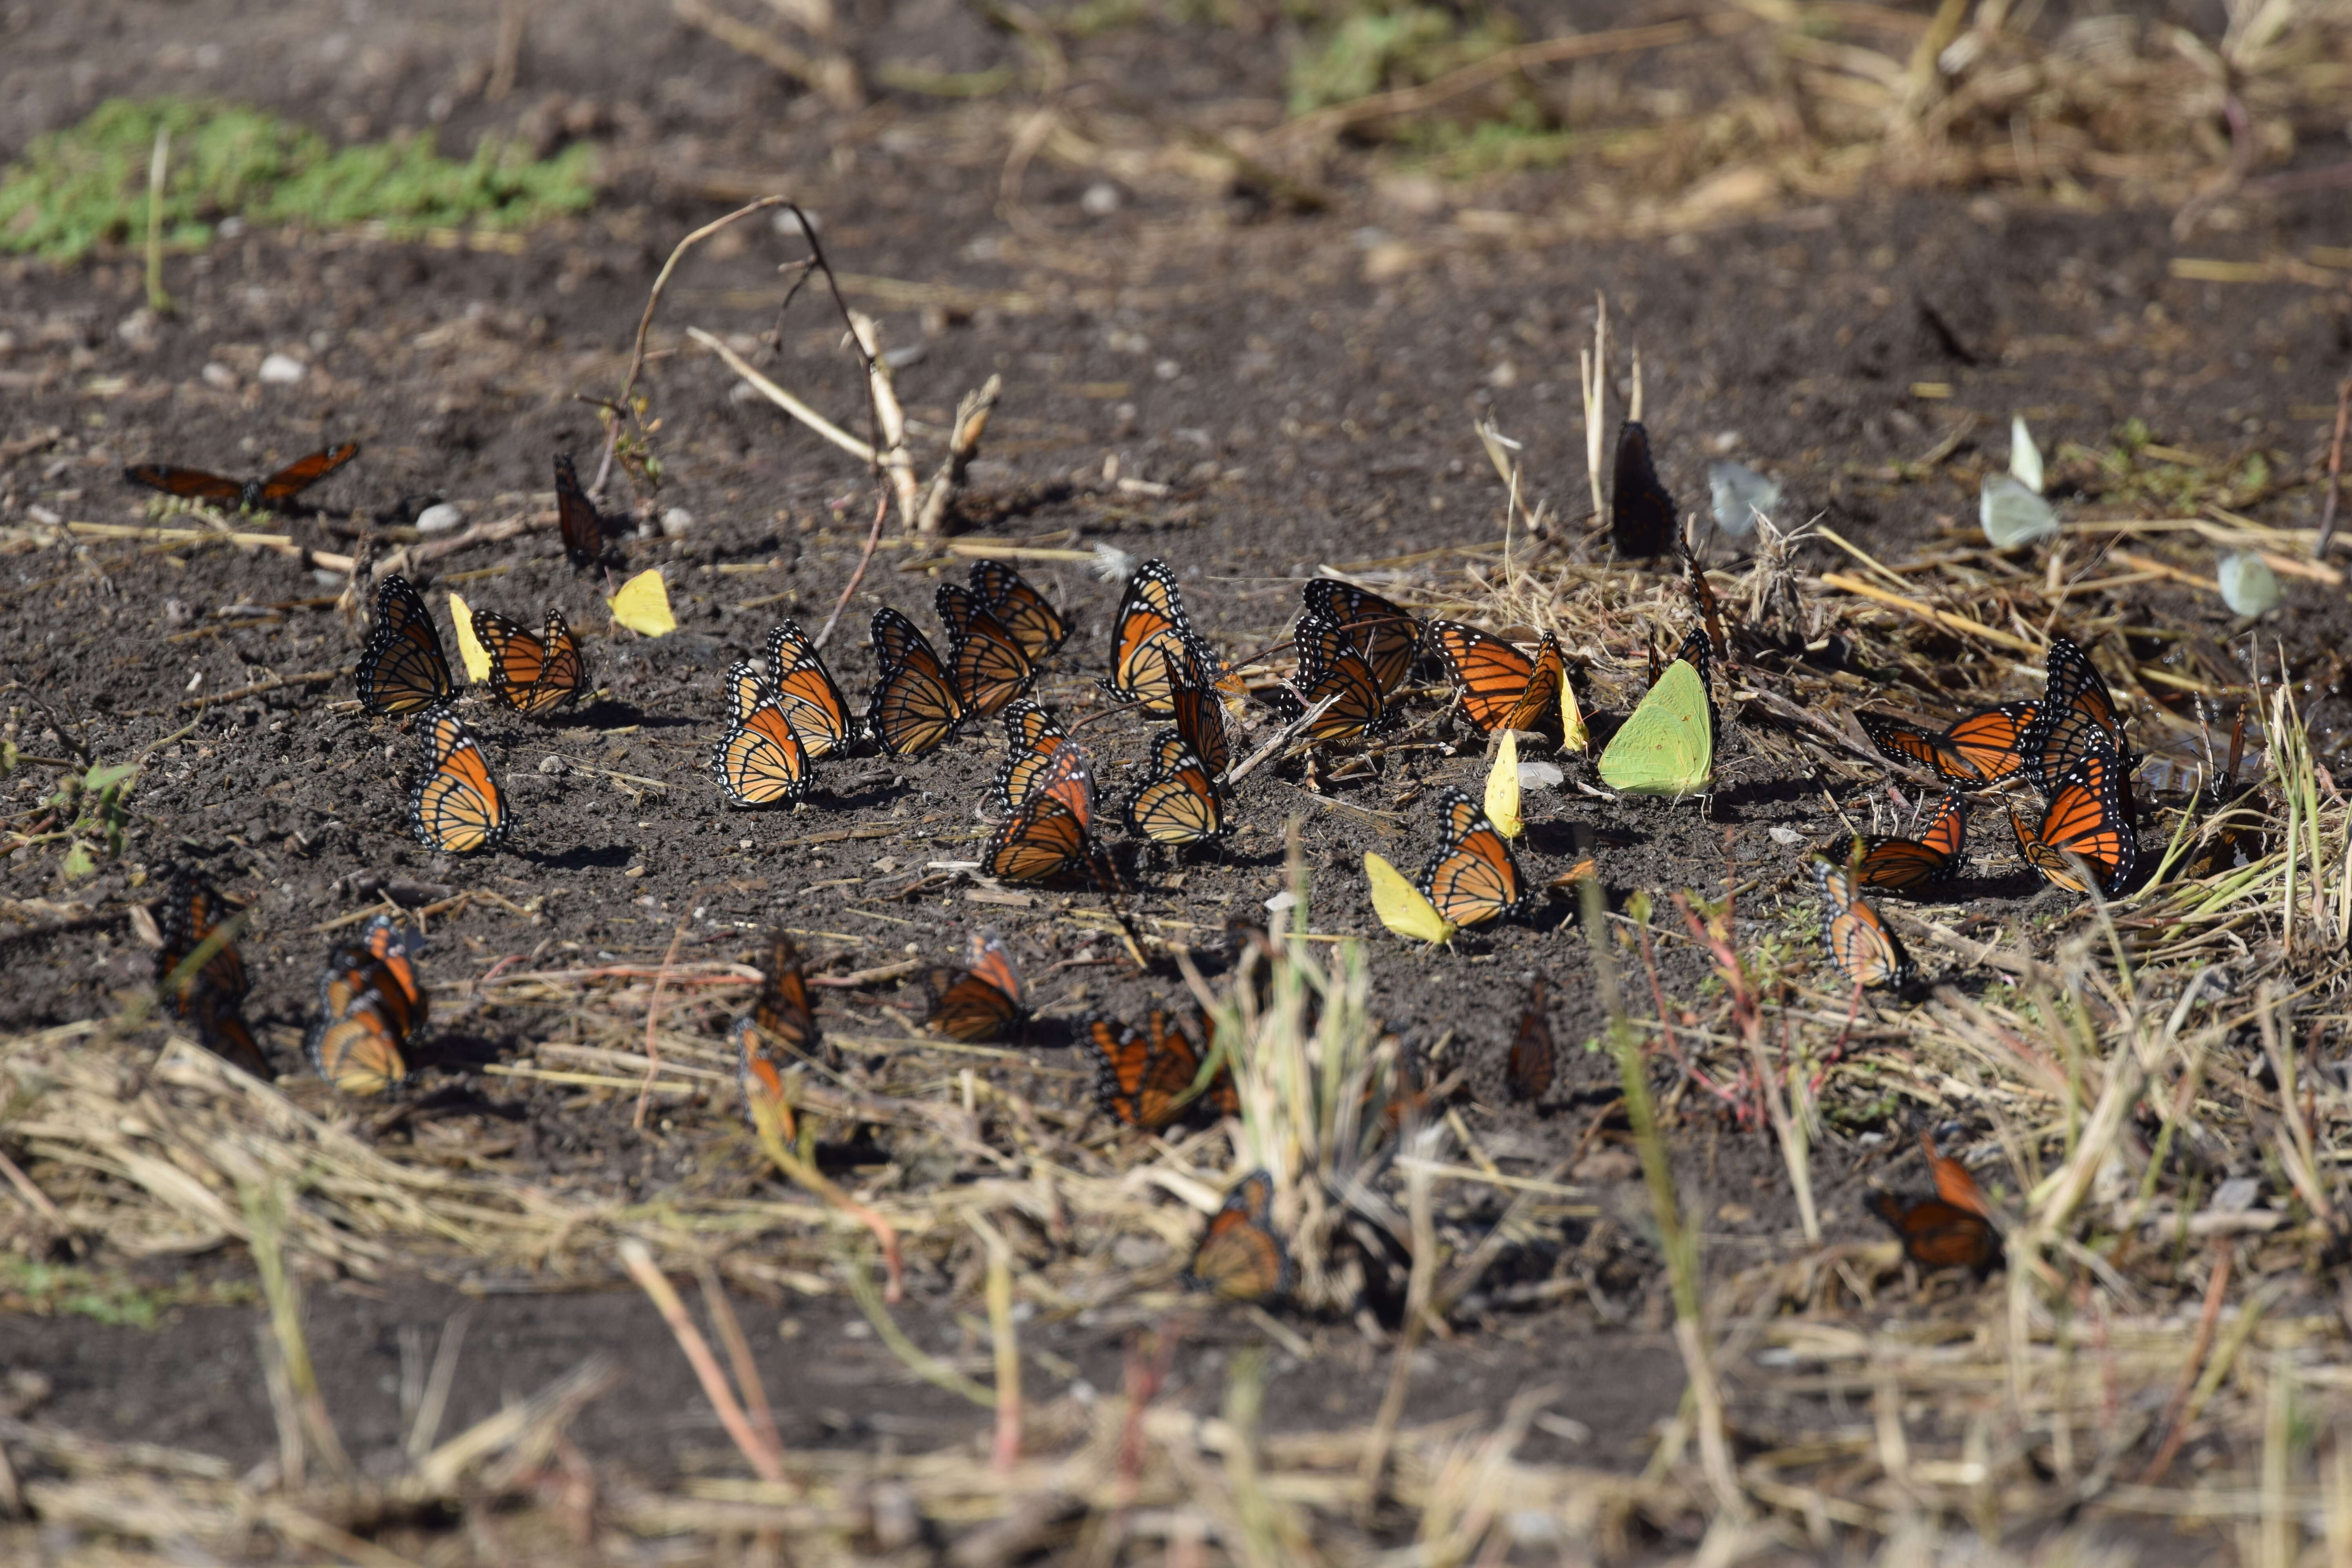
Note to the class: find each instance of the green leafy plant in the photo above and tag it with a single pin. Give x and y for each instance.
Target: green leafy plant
(95, 804)
(77, 189)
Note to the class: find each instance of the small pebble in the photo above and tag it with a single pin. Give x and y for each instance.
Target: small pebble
(676, 521)
(283, 370)
(218, 376)
(1788, 836)
(439, 519)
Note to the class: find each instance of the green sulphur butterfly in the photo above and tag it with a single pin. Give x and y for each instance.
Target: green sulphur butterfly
(1667, 747)
(1401, 907)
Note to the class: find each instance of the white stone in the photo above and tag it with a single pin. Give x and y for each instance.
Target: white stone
(441, 518)
(283, 370)
(2249, 587)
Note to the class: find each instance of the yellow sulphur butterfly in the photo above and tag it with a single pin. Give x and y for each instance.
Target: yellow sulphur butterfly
(1667, 747)
(1502, 787)
(643, 605)
(1573, 735)
(1401, 907)
(470, 652)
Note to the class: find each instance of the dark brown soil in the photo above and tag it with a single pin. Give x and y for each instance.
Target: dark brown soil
(1297, 390)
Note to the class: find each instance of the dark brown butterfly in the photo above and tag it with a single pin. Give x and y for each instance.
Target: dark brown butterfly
(266, 494)
(1240, 1258)
(1642, 522)
(1528, 1073)
(576, 516)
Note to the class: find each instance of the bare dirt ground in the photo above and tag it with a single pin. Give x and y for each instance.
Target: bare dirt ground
(1254, 374)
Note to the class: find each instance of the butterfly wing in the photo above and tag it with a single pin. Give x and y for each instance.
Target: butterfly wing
(1667, 746)
(2089, 816)
(1135, 1080)
(1940, 1234)
(915, 708)
(1527, 1072)
(1030, 738)
(1028, 614)
(1490, 674)
(1472, 878)
(518, 658)
(302, 473)
(403, 668)
(2077, 717)
(781, 1025)
(564, 671)
(1200, 720)
(987, 664)
(456, 805)
(1331, 665)
(1540, 701)
(1044, 838)
(1990, 744)
(747, 687)
(189, 911)
(1864, 947)
(1178, 803)
(1151, 640)
(761, 761)
(1240, 1258)
(189, 484)
(1642, 521)
(1401, 907)
(985, 1000)
(221, 1029)
(1387, 636)
(804, 689)
(576, 516)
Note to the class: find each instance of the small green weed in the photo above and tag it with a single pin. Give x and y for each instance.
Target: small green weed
(77, 189)
(1374, 47)
(47, 1290)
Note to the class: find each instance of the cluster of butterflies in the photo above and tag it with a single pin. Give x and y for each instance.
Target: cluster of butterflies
(2070, 746)
(370, 1004)
(1148, 1079)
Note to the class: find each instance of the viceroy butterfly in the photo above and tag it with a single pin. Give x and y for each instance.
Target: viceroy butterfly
(272, 492)
(1385, 633)
(915, 706)
(1985, 748)
(1898, 863)
(370, 1004)
(1152, 1078)
(1240, 1258)
(1528, 1071)
(1863, 946)
(1472, 879)
(533, 675)
(1501, 687)
(983, 1001)
(403, 668)
(989, 665)
(1049, 832)
(577, 520)
(1179, 801)
(2089, 817)
(456, 804)
(780, 1029)
(1028, 614)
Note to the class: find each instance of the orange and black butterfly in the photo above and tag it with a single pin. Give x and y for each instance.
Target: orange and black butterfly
(982, 1001)
(780, 1029)
(987, 663)
(577, 518)
(1331, 666)
(1864, 947)
(803, 687)
(1026, 613)
(1147, 1078)
(1501, 687)
(915, 706)
(1048, 833)
(1932, 856)
(761, 760)
(371, 1005)
(1154, 645)
(2078, 717)
(209, 996)
(533, 675)
(1179, 801)
(1240, 1258)
(1642, 521)
(189, 912)
(1527, 1072)
(2090, 817)
(1200, 720)
(1982, 749)
(456, 804)
(403, 668)
(269, 493)
(1951, 1230)
(1031, 739)
(1472, 878)
(1388, 636)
